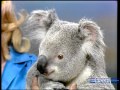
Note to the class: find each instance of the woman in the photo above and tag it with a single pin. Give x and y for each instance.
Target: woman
(15, 59)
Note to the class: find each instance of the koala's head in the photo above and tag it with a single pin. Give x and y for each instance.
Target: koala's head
(37, 25)
(63, 53)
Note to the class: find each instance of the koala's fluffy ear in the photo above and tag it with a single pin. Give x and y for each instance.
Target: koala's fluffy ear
(89, 30)
(43, 18)
(52, 15)
(91, 33)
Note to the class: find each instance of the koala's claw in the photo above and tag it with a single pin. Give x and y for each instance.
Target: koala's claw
(53, 86)
(60, 89)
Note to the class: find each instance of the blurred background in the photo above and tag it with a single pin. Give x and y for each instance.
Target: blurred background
(102, 12)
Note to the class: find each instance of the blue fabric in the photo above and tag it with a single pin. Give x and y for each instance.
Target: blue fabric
(15, 70)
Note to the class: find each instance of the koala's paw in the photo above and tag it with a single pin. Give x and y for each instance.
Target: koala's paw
(54, 86)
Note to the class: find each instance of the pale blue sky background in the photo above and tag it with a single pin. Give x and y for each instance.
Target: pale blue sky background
(74, 9)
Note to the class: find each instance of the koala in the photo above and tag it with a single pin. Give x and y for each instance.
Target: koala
(36, 26)
(70, 53)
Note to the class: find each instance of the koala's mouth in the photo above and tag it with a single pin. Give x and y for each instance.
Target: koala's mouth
(48, 73)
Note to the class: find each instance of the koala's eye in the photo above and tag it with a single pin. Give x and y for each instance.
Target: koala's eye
(60, 56)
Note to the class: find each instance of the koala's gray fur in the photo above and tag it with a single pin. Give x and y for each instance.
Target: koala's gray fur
(82, 47)
(36, 26)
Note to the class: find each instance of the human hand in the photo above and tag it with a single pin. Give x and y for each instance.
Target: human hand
(73, 86)
(35, 85)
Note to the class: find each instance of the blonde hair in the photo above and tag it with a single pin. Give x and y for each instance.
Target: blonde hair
(11, 32)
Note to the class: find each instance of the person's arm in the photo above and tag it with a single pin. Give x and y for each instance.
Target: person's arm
(3, 63)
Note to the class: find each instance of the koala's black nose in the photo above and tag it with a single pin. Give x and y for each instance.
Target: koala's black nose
(41, 64)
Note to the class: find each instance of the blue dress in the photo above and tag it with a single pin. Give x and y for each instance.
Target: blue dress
(15, 70)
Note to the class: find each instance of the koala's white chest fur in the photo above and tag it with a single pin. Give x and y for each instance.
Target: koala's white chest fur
(84, 75)
(87, 72)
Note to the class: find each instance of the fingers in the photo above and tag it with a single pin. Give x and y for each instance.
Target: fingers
(24, 12)
(35, 85)
(73, 86)
(22, 17)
